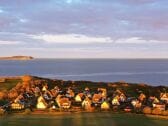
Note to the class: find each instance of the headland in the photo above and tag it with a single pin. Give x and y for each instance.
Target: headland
(17, 58)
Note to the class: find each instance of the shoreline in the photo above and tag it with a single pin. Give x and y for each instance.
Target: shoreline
(89, 81)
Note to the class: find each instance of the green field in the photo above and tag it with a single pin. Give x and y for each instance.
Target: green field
(9, 84)
(82, 119)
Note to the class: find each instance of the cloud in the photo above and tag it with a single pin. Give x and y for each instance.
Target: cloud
(23, 20)
(117, 18)
(83, 39)
(57, 24)
(136, 40)
(9, 42)
(1, 11)
(138, 2)
(71, 39)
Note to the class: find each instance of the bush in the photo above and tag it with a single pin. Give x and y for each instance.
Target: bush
(147, 110)
(2, 95)
(27, 78)
(115, 108)
(27, 111)
(156, 111)
(2, 111)
(165, 113)
(12, 94)
(18, 86)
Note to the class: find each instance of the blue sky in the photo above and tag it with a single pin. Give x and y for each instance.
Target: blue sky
(84, 28)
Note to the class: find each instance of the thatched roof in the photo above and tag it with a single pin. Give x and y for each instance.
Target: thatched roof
(64, 100)
(164, 95)
(27, 78)
(105, 105)
(78, 97)
(96, 97)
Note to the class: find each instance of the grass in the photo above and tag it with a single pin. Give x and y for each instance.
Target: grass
(9, 84)
(82, 119)
(6, 86)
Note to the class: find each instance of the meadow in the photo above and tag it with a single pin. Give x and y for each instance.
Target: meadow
(82, 119)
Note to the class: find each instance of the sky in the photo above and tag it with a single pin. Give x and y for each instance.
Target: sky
(84, 28)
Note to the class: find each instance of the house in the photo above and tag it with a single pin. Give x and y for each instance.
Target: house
(41, 103)
(115, 100)
(37, 91)
(57, 88)
(103, 92)
(17, 106)
(160, 106)
(105, 106)
(79, 97)
(64, 103)
(153, 99)
(97, 98)
(87, 92)
(86, 104)
(136, 103)
(156, 100)
(87, 89)
(117, 92)
(128, 109)
(55, 91)
(58, 98)
(70, 93)
(164, 97)
(45, 88)
(19, 99)
(142, 97)
(122, 97)
(18, 103)
(47, 96)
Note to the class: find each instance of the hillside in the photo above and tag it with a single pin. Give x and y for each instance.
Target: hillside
(131, 89)
(43, 93)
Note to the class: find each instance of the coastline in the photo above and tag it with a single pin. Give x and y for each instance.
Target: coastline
(71, 80)
(105, 70)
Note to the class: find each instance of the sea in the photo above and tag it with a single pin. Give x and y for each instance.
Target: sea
(148, 71)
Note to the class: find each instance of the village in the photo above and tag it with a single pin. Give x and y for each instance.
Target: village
(34, 95)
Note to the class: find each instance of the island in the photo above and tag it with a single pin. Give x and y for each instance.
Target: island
(17, 58)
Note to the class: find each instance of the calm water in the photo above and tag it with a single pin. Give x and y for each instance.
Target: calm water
(153, 71)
